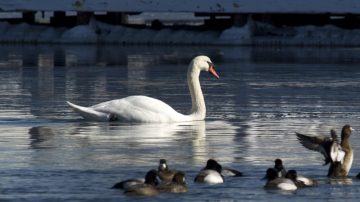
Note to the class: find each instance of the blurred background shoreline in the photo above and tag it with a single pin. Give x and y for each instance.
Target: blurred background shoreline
(239, 23)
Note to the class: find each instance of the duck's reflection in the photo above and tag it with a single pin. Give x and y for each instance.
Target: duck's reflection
(41, 137)
(341, 181)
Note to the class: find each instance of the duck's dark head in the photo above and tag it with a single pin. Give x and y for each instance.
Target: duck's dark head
(271, 174)
(179, 177)
(213, 165)
(151, 177)
(292, 175)
(278, 164)
(346, 132)
(163, 165)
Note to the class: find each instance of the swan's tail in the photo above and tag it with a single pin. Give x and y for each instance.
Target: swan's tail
(89, 113)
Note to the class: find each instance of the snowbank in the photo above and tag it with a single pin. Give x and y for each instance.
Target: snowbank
(79, 34)
(253, 33)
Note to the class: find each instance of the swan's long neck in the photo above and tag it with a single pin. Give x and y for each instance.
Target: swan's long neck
(198, 109)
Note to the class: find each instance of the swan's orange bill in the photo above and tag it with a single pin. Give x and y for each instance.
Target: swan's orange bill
(213, 72)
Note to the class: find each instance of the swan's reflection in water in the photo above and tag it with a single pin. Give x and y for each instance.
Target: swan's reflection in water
(113, 144)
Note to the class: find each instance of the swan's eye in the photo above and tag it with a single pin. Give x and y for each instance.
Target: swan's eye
(210, 64)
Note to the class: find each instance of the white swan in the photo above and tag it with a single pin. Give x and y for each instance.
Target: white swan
(145, 109)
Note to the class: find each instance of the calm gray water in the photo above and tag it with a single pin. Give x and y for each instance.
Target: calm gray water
(48, 153)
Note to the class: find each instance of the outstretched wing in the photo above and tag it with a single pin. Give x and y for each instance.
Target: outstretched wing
(312, 142)
(321, 144)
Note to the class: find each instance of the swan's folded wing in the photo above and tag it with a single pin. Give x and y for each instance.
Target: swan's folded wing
(88, 112)
(139, 108)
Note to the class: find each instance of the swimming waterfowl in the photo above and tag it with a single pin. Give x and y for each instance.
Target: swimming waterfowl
(211, 174)
(150, 178)
(164, 173)
(147, 188)
(340, 156)
(275, 182)
(177, 185)
(128, 183)
(229, 172)
(279, 167)
(299, 180)
(143, 109)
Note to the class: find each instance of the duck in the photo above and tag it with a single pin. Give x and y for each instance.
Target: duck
(148, 188)
(279, 167)
(211, 174)
(144, 109)
(164, 173)
(300, 181)
(339, 155)
(128, 183)
(177, 185)
(276, 182)
(150, 178)
(230, 172)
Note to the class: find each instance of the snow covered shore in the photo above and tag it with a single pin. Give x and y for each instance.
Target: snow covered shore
(253, 33)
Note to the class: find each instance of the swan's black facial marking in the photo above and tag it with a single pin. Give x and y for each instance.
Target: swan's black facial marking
(212, 70)
(210, 64)
(113, 117)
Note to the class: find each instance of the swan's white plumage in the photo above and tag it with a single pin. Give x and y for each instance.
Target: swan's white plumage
(140, 108)
(89, 113)
(150, 110)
